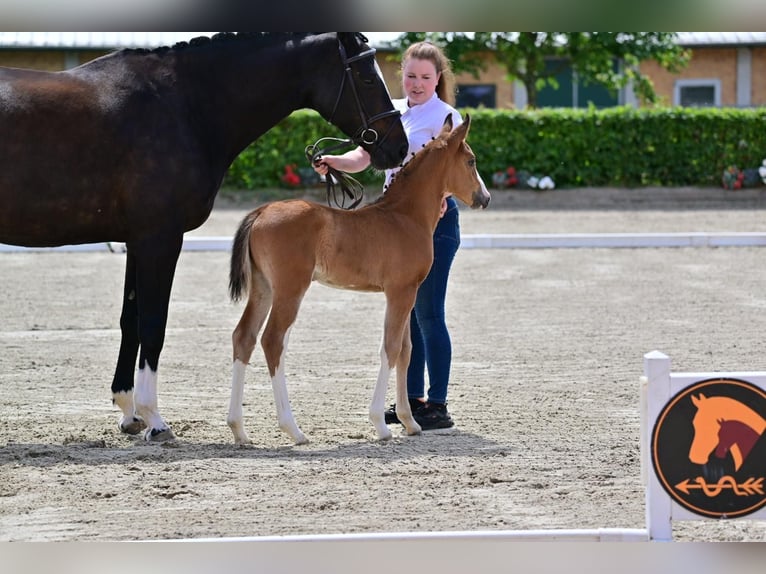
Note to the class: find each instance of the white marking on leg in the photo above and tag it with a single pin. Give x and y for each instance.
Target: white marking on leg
(378, 404)
(129, 422)
(234, 420)
(145, 399)
(285, 417)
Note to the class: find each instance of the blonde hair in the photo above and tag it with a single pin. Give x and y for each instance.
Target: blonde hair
(445, 89)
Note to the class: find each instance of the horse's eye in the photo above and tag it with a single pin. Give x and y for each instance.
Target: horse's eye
(367, 79)
(472, 162)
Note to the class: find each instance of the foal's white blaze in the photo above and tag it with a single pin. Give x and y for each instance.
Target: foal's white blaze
(285, 416)
(145, 398)
(234, 419)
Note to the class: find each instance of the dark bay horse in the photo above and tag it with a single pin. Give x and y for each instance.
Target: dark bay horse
(737, 438)
(133, 146)
(281, 247)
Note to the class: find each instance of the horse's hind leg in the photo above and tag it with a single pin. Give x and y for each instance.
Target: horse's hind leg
(122, 383)
(243, 342)
(274, 341)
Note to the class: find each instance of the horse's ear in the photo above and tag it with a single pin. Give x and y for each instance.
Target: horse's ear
(446, 126)
(697, 401)
(466, 125)
(348, 39)
(461, 131)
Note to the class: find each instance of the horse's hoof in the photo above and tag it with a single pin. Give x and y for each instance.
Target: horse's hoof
(385, 435)
(134, 425)
(301, 439)
(159, 435)
(414, 430)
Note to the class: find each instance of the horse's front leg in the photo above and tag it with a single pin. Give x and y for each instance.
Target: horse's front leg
(122, 383)
(403, 409)
(155, 266)
(394, 352)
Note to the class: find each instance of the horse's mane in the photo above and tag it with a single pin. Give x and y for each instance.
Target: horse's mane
(407, 168)
(257, 39)
(417, 159)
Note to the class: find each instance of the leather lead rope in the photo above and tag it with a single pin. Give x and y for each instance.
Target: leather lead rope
(350, 188)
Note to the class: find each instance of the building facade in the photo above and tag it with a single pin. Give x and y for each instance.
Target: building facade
(727, 69)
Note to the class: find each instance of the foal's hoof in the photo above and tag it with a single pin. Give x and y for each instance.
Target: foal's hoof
(414, 430)
(132, 425)
(159, 435)
(384, 435)
(301, 439)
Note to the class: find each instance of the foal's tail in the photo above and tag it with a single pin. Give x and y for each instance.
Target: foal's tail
(240, 270)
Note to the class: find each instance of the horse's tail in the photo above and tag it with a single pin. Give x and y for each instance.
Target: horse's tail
(240, 270)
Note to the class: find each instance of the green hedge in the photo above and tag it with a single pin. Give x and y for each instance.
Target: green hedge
(621, 146)
(263, 163)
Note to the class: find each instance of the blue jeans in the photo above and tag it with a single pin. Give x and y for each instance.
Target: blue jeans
(431, 344)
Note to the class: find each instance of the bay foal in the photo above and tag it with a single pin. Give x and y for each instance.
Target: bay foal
(281, 247)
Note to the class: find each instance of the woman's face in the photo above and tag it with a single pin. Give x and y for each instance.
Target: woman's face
(419, 80)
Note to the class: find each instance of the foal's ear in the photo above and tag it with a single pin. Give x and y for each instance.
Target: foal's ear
(446, 126)
(461, 132)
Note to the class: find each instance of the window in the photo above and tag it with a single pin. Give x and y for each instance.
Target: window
(572, 93)
(476, 95)
(564, 95)
(697, 93)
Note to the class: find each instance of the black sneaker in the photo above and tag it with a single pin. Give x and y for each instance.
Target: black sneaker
(390, 414)
(433, 416)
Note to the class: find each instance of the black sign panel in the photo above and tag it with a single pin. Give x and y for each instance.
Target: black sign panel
(709, 448)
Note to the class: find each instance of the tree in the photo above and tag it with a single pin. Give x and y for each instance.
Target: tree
(525, 56)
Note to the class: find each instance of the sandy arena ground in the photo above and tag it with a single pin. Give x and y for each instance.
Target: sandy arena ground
(548, 348)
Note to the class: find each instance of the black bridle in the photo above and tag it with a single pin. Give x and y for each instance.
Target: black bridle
(365, 135)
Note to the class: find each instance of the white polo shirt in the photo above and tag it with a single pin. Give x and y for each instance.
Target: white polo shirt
(422, 123)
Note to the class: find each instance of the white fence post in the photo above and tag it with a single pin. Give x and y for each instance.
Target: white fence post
(655, 394)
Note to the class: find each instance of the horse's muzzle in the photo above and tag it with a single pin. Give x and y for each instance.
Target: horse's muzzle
(481, 199)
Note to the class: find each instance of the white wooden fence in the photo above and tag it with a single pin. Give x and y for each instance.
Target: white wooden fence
(658, 385)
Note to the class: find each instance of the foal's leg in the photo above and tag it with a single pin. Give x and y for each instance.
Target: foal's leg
(155, 267)
(274, 340)
(392, 354)
(122, 383)
(243, 342)
(403, 409)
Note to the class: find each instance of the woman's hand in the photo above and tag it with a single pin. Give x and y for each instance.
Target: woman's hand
(443, 209)
(350, 162)
(322, 164)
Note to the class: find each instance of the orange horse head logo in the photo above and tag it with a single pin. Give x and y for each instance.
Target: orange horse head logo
(722, 425)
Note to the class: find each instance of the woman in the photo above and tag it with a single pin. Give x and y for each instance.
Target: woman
(428, 85)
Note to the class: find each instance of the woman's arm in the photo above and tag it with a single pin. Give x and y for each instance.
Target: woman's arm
(349, 162)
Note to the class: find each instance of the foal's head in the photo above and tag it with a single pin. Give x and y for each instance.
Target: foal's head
(463, 180)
